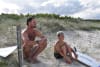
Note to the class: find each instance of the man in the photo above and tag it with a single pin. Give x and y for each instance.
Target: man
(63, 50)
(31, 47)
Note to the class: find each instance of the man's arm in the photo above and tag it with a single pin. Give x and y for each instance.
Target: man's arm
(39, 34)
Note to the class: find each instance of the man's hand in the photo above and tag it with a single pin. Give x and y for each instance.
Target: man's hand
(43, 39)
(30, 43)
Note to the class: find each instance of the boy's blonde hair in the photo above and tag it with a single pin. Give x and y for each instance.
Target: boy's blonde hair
(59, 33)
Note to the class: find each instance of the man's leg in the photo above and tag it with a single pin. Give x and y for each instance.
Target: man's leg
(42, 45)
(26, 53)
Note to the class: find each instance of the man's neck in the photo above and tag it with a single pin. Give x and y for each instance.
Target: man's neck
(30, 28)
(60, 40)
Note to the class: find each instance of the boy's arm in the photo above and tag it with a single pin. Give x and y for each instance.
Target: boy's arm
(57, 48)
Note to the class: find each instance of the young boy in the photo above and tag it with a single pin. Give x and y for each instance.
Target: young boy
(63, 50)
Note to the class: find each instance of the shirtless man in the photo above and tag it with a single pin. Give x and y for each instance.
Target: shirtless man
(63, 50)
(31, 47)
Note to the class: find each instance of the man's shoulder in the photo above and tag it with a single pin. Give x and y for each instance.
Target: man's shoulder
(23, 31)
(35, 29)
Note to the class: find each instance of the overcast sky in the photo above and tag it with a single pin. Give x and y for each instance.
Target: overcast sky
(88, 9)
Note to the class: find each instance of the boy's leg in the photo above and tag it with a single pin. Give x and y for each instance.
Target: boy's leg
(66, 58)
(70, 51)
(75, 58)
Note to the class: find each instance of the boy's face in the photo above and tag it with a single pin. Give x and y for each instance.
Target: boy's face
(61, 37)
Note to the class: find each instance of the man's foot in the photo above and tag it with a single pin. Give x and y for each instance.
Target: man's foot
(35, 61)
(27, 59)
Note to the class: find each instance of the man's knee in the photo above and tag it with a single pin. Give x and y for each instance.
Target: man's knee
(44, 43)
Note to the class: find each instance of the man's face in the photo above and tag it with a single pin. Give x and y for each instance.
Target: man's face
(61, 37)
(32, 24)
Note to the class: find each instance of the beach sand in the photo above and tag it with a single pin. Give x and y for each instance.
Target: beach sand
(87, 42)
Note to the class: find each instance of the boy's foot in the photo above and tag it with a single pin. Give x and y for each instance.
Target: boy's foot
(68, 60)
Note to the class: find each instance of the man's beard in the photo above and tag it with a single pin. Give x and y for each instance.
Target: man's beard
(33, 26)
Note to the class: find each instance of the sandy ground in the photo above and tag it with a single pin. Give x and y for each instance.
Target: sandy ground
(85, 41)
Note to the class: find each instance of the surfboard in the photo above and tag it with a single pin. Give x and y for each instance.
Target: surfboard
(86, 60)
(4, 52)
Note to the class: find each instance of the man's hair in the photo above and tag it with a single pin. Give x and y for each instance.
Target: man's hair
(59, 33)
(29, 20)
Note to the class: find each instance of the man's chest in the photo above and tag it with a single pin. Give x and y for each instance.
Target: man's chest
(31, 35)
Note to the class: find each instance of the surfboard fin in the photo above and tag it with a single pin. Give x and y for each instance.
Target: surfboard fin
(75, 49)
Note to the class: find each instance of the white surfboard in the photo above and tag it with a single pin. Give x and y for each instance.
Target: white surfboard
(87, 60)
(4, 52)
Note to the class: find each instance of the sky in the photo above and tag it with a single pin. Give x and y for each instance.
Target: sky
(87, 9)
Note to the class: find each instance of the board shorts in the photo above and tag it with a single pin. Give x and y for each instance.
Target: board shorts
(57, 55)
